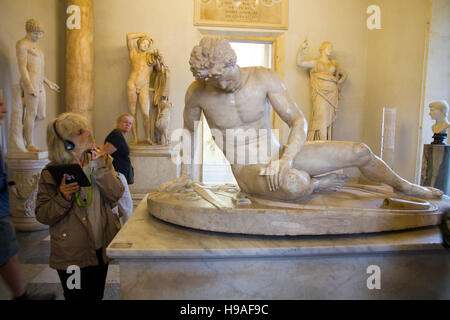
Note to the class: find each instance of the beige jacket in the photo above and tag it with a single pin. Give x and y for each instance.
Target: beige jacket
(71, 236)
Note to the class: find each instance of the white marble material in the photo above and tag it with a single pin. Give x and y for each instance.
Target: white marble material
(439, 113)
(144, 236)
(237, 103)
(159, 260)
(152, 166)
(30, 60)
(326, 78)
(144, 62)
(353, 209)
(22, 195)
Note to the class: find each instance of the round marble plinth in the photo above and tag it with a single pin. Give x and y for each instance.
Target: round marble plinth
(24, 178)
(353, 209)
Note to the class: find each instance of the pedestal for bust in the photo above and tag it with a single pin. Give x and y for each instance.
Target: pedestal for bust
(153, 166)
(24, 178)
(159, 260)
(435, 167)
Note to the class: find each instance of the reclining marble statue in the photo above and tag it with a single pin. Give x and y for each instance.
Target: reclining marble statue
(234, 98)
(30, 60)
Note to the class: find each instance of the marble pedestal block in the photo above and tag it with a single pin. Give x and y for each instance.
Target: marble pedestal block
(152, 167)
(159, 260)
(436, 167)
(24, 178)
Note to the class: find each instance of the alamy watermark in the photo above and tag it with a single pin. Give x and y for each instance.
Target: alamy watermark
(374, 280)
(74, 280)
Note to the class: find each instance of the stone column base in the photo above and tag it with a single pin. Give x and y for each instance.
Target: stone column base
(24, 178)
(152, 167)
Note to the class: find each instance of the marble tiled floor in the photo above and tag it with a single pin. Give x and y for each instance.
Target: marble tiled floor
(39, 277)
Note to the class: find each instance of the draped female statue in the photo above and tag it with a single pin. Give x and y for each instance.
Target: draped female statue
(325, 80)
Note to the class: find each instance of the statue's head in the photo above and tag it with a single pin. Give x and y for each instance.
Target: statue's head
(439, 110)
(326, 47)
(214, 61)
(34, 29)
(144, 43)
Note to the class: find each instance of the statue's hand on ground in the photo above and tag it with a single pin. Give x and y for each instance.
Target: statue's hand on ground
(275, 172)
(180, 182)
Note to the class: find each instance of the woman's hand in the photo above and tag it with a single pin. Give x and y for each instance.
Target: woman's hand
(97, 152)
(68, 189)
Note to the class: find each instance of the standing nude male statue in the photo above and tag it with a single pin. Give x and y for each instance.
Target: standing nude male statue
(240, 98)
(138, 84)
(30, 59)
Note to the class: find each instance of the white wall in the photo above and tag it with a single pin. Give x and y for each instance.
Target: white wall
(437, 84)
(394, 78)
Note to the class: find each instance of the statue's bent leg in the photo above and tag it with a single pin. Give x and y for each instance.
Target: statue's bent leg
(377, 170)
(144, 101)
(324, 156)
(132, 100)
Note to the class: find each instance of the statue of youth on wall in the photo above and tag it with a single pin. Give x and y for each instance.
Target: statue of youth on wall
(240, 98)
(143, 62)
(30, 59)
(325, 77)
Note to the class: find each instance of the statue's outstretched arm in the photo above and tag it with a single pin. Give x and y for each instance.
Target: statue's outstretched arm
(300, 62)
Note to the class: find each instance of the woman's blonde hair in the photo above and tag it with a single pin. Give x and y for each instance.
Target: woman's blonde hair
(65, 124)
(123, 115)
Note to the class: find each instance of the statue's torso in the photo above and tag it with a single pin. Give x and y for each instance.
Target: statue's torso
(244, 113)
(327, 67)
(35, 64)
(140, 70)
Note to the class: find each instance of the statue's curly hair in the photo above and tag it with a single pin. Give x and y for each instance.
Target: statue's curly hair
(209, 52)
(141, 39)
(32, 25)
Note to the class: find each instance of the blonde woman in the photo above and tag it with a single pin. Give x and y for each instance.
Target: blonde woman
(325, 80)
(81, 220)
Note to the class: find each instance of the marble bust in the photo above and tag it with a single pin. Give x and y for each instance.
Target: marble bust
(439, 113)
(235, 99)
(30, 59)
